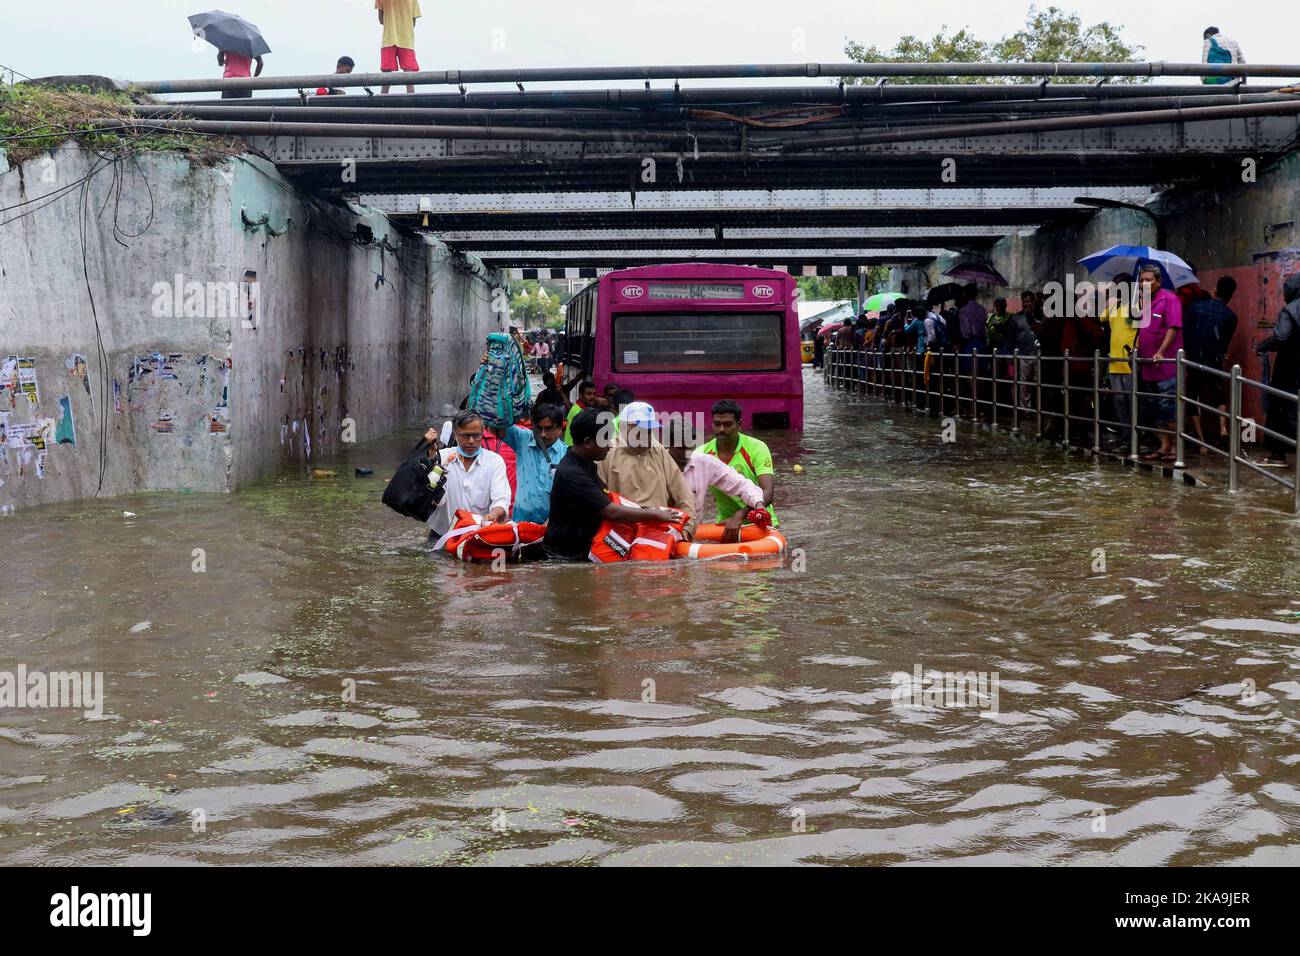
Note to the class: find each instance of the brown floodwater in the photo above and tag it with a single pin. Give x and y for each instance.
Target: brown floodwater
(325, 692)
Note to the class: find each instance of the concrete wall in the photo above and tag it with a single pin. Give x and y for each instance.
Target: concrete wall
(174, 383)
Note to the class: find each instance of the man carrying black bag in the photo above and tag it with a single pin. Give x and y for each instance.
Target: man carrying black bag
(419, 484)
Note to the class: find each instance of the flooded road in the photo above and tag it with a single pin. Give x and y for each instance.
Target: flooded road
(324, 692)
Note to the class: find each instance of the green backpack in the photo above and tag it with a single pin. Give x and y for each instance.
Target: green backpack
(500, 391)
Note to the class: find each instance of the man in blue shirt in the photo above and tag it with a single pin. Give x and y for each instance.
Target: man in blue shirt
(537, 453)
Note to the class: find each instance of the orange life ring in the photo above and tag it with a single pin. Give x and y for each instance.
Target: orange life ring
(469, 541)
(755, 542)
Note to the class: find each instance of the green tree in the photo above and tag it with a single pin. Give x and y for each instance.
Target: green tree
(839, 288)
(1048, 36)
(532, 304)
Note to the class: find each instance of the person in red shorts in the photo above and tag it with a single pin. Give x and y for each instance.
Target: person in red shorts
(397, 48)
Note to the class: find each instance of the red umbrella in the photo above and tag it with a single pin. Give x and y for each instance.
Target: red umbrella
(977, 272)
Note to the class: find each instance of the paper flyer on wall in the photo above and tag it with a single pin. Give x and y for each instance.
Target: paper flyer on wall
(27, 381)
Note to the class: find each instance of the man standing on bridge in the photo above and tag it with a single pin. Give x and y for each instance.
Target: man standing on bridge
(1217, 48)
(397, 48)
(238, 66)
(345, 65)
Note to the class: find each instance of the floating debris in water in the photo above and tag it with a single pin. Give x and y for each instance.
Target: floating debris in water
(142, 627)
(258, 678)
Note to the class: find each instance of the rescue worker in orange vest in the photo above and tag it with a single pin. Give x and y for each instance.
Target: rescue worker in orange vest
(579, 501)
(640, 469)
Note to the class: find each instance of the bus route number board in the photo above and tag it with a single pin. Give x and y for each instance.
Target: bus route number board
(696, 290)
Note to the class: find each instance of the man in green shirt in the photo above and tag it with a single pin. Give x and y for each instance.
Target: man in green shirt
(747, 455)
(586, 399)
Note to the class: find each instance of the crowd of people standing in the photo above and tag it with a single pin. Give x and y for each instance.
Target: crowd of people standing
(1200, 323)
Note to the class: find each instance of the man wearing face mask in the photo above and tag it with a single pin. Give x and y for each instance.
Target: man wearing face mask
(476, 478)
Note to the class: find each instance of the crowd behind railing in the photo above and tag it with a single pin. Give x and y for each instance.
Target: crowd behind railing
(1163, 409)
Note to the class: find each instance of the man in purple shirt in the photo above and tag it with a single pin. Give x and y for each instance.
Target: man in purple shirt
(972, 328)
(973, 319)
(1159, 337)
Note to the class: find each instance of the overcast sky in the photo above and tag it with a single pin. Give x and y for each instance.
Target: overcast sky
(150, 39)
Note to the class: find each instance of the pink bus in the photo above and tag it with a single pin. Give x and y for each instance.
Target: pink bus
(681, 337)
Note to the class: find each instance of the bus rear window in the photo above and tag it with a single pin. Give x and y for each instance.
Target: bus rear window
(699, 342)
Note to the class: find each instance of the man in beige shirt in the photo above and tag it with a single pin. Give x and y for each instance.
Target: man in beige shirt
(640, 469)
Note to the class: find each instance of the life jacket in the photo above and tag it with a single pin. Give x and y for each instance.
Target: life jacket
(470, 542)
(643, 541)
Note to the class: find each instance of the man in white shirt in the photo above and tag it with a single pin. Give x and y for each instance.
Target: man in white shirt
(476, 478)
(703, 472)
(1217, 48)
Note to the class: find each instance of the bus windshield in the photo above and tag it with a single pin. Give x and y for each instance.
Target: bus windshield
(699, 342)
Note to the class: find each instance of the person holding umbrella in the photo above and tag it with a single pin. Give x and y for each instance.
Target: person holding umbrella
(239, 46)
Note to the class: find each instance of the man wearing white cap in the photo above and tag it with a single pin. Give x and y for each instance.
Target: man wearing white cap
(640, 469)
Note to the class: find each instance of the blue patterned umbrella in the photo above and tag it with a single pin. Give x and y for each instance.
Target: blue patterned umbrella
(1174, 272)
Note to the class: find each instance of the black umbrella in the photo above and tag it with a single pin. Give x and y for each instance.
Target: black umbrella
(225, 31)
(942, 293)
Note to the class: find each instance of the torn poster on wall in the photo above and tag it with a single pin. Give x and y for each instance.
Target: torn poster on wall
(219, 422)
(9, 381)
(26, 435)
(65, 433)
(117, 397)
(155, 363)
(4, 424)
(77, 368)
(27, 381)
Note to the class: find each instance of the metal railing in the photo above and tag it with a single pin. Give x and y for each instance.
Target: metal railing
(1083, 401)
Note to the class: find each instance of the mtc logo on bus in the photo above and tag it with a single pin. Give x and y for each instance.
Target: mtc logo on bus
(633, 291)
(764, 291)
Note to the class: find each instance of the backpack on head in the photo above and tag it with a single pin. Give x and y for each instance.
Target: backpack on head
(500, 391)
